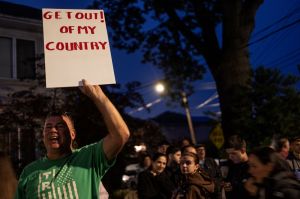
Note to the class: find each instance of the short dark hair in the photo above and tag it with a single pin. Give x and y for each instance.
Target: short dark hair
(236, 142)
(183, 149)
(158, 155)
(295, 138)
(172, 150)
(62, 114)
(200, 145)
(278, 142)
(163, 142)
(67, 116)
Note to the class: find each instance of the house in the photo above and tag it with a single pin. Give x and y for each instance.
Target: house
(21, 41)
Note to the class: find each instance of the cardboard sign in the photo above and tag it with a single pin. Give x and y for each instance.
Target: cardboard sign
(76, 47)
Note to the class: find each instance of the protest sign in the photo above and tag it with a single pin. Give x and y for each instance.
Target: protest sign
(76, 47)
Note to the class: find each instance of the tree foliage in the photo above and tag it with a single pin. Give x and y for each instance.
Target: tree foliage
(276, 105)
(178, 36)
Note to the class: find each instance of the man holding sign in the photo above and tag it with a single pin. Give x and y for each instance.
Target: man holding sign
(68, 173)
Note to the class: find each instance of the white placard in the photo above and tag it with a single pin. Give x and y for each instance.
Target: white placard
(76, 47)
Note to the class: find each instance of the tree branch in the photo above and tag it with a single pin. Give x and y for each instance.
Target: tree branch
(248, 13)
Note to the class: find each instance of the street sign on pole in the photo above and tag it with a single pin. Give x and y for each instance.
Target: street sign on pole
(216, 136)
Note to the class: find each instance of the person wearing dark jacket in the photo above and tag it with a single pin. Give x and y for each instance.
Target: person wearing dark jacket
(195, 185)
(210, 166)
(173, 168)
(154, 183)
(271, 176)
(294, 156)
(238, 169)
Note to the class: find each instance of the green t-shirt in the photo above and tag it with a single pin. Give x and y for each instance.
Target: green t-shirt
(76, 176)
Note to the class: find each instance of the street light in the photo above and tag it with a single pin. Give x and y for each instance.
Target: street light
(159, 87)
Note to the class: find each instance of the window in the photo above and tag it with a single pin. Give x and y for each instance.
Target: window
(6, 66)
(17, 58)
(25, 59)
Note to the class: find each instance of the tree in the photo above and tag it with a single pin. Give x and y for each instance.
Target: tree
(176, 35)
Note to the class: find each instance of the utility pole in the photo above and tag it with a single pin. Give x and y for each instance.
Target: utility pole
(188, 116)
(159, 87)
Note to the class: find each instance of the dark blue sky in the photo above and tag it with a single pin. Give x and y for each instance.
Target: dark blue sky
(279, 49)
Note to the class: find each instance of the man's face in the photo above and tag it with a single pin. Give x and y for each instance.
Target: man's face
(176, 157)
(296, 146)
(56, 135)
(285, 149)
(201, 153)
(188, 165)
(190, 149)
(235, 155)
(162, 148)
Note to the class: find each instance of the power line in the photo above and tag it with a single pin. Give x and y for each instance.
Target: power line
(148, 105)
(211, 98)
(276, 22)
(273, 32)
(276, 40)
(284, 57)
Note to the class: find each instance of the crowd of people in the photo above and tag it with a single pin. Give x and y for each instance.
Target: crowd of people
(185, 172)
(171, 172)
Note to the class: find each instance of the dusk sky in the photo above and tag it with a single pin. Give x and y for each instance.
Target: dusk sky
(274, 43)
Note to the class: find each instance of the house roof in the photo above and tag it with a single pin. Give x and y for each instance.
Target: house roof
(17, 10)
(173, 117)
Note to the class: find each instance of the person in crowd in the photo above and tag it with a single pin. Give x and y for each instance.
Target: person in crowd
(173, 155)
(69, 173)
(194, 185)
(271, 176)
(154, 183)
(281, 145)
(294, 156)
(210, 166)
(172, 168)
(163, 146)
(144, 162)
(235, 147)
(8, 180)
(189, 148)
(185, 142)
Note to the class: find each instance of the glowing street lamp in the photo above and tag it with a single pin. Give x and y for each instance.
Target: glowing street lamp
(160, 88)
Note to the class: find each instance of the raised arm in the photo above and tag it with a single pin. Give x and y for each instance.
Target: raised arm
(118, 130)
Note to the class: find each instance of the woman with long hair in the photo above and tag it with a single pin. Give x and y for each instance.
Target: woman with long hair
(154, 183)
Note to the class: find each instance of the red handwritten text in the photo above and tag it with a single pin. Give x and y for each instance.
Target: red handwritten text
(78, 29)
(72, 46)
